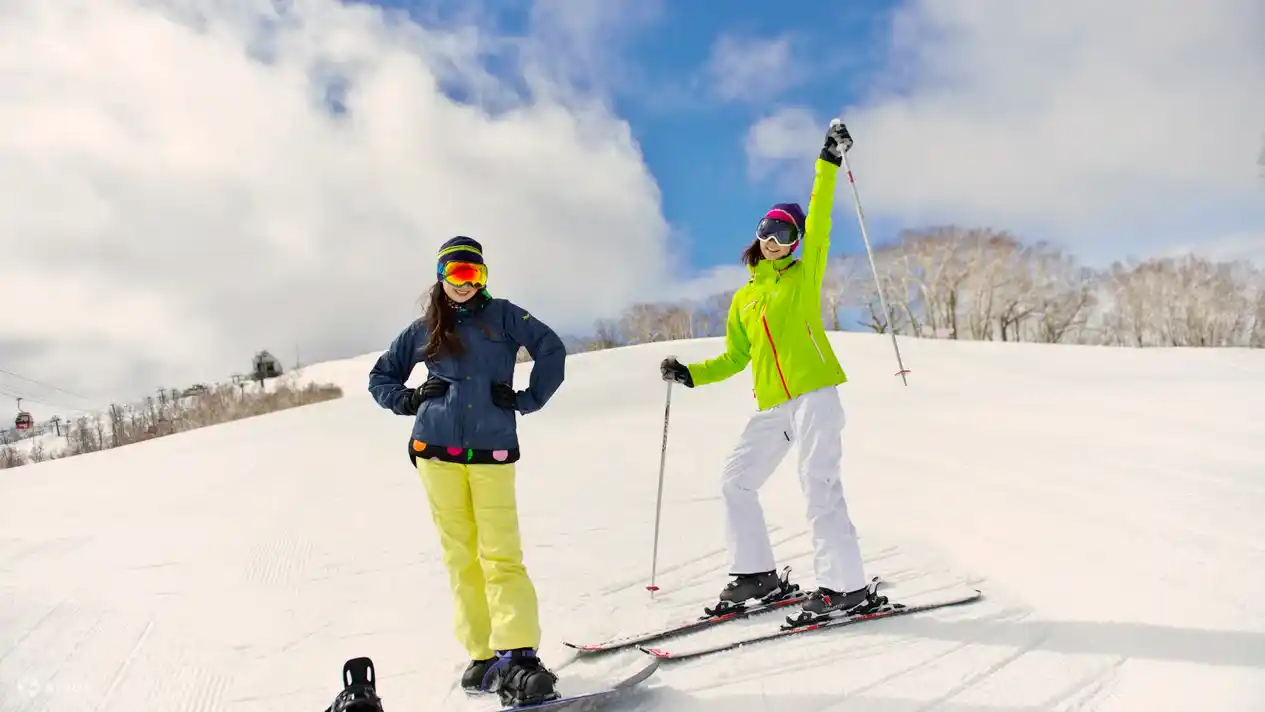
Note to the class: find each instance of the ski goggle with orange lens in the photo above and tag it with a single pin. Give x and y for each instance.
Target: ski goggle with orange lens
(779, 231)
(459, 274)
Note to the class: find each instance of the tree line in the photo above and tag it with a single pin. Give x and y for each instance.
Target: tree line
(984, 284)
(167, 412)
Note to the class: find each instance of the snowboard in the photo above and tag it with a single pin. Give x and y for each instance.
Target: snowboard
(589, 701)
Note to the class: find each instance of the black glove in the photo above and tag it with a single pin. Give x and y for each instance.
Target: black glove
(434, 387)
(673, 370)
(838, 141)
(503, 396)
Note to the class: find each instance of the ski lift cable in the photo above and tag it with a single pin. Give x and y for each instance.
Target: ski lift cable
(46, 385)
(42, 402)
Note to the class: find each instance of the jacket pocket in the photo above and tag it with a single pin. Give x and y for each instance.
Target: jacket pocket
(497, 353)
(435, 421)
(813, 341)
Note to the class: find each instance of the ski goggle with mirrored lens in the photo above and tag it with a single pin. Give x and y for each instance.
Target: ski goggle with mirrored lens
(779, 231)
(459, 274)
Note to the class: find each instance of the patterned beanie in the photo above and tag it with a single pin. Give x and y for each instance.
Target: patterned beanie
(459, 249)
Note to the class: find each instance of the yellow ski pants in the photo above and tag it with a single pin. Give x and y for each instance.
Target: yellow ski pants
(476, 513)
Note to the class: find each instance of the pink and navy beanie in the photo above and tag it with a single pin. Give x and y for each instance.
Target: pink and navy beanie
(788, 212)
(791, 213)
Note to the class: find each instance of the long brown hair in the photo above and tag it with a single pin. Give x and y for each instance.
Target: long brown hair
(441, 319)
(752, 254)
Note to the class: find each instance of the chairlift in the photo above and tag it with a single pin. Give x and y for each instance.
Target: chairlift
(24, 421)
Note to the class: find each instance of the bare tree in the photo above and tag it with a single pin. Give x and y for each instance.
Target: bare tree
(1063, 294)
(641, 324)
(713, 313)
(845, 286)
(938, 264)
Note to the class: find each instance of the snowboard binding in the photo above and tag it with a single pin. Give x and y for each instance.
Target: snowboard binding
(360, 692)
(785, 589)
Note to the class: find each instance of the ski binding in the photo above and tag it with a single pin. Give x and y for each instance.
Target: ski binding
(793, 625)
(787, 594)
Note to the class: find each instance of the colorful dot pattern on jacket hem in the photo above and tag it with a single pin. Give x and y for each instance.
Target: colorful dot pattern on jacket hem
(419, 450)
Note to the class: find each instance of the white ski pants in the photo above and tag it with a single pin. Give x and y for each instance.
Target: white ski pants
(814, 421)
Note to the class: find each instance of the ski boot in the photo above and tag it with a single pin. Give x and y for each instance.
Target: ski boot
(825, 603)
(472, 678)
(360, 692)
(764, 587)
(519, 678)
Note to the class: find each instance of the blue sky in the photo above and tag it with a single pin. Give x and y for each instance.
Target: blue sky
(696, 153)
(650, 62)
(693, 140)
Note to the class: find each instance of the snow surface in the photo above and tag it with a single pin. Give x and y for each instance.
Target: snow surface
(1110, 503)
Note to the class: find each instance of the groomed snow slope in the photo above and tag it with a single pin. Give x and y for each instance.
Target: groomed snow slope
(1110, 502)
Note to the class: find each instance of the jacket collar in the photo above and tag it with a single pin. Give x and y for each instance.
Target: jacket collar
(771, 269)
(472, 306)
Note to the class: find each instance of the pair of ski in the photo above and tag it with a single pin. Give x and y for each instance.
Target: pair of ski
(788, 595)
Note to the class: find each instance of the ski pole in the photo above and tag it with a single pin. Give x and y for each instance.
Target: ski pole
(658, 505)
(856, 198)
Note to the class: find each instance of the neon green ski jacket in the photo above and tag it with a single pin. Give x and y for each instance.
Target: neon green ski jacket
(774, 320)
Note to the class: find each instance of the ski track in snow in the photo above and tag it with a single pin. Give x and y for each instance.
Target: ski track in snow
(1109, 503)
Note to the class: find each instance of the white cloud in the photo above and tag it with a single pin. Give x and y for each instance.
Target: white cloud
(1112, 128)
(174, 195)
(743, 68)
(784, 137)
(581, 42)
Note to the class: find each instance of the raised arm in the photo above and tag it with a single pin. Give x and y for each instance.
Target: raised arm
(393, 368)
(816, 248)
(548, 353)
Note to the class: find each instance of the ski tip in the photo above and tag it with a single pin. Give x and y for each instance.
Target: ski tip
(652, 588)
(657, 653)
(651, 665)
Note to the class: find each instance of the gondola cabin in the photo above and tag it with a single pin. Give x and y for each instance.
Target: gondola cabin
(24, 421)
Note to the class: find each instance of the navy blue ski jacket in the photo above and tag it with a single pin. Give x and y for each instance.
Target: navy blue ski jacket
(464, 425)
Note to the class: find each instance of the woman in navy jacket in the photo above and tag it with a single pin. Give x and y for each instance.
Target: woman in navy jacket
(464, 444)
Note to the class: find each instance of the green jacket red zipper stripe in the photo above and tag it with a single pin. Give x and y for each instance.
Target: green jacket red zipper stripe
(776, 361)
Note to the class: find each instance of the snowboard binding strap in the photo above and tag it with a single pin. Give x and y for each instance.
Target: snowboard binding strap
(360, 693)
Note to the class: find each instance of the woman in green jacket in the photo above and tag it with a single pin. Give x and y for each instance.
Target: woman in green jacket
(774, 323)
